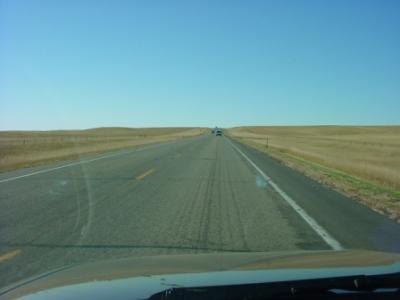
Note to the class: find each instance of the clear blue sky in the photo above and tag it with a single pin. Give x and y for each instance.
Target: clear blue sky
(81, 64)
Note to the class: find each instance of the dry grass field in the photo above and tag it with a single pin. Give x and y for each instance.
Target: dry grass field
(28, 148)
(363, 162)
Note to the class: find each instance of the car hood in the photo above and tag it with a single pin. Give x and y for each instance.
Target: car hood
(141, 277)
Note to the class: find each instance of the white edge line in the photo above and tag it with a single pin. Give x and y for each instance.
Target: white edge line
(333, 243)
(83, 162)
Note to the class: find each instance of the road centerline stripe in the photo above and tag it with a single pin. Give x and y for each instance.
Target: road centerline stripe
(332, 242)
(145, 174)
(9, 255)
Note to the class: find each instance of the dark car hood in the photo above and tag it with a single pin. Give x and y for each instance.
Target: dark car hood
(140, 277)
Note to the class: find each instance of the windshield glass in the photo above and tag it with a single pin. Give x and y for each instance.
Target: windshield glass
(147, 128)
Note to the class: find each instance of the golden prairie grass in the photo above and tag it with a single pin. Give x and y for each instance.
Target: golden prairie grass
(357, 156)
(28, 148)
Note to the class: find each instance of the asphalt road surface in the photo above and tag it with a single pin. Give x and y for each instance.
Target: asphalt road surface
(202, 194)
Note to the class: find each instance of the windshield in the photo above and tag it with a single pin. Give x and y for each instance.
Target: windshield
(147, 128)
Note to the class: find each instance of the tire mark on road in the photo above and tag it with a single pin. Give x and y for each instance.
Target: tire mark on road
(236, 209)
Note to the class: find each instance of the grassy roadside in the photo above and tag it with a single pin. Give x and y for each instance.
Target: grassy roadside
(19, 149)
(376, 192)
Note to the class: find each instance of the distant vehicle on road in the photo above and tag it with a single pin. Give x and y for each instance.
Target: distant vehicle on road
(218, 132)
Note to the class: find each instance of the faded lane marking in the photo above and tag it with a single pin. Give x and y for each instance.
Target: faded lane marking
(9, 255)
(80, 162)
(147, 173)
(330, 240)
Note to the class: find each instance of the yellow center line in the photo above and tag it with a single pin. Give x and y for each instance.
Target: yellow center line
(9, 255)
(147, 173)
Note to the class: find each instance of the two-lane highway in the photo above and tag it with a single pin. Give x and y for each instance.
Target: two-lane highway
(194, 195)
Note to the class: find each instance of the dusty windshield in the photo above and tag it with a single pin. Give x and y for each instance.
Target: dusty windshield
(138, 128)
